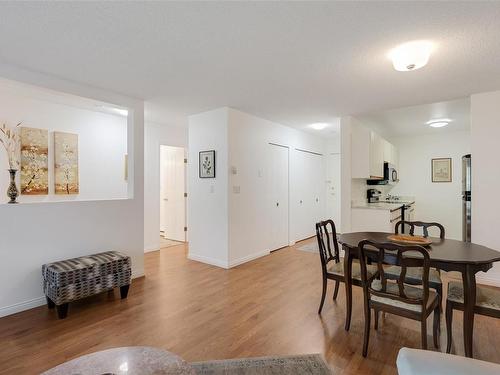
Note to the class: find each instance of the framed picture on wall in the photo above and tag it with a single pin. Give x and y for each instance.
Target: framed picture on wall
(207, 164)
(441, 170)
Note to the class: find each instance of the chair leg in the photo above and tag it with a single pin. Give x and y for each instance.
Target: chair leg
(323, 295)
(439, 290)
(449, 319)
(366, 338)
(376, 318)
(336, 291)
(436, 325)
(423, 332)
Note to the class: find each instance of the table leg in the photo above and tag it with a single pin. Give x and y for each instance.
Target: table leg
(469, 285)
(348, 287)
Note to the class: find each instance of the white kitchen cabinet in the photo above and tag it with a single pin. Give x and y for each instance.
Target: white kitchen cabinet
(367, 153)
(391, 154)
(360, 151)
(374, 220)
(376, 156)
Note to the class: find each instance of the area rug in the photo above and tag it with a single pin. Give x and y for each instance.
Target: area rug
(311, 247)
(309, 364)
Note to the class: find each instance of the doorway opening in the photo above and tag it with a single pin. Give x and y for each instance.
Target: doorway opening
(173, 229)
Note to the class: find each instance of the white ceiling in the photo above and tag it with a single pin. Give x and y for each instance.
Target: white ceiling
(412, 120)
(295, 63)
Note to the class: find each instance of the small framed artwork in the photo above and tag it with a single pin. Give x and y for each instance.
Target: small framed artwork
(441, 170)
(207, 164)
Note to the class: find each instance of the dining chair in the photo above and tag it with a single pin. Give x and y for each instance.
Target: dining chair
(331, 265)
(414, 276)
(397, 296)
(487, 303)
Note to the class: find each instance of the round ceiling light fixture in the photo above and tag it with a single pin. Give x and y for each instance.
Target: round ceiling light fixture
(319, 125)
(439, 123)
(411, 56)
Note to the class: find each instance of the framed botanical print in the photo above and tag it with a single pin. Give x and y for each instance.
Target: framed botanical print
(207, 164)
(441, 170)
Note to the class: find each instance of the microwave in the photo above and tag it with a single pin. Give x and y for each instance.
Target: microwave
(390, 176)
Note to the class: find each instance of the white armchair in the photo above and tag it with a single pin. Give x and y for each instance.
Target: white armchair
(424, 362)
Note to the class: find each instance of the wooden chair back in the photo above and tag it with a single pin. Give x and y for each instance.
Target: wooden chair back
(403, 256)
(424, 226)
(326, 235)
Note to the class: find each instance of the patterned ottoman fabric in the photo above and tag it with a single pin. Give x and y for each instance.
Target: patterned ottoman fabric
(69, 280)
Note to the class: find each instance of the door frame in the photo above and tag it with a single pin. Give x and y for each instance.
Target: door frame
(185, 185)
(287, 192)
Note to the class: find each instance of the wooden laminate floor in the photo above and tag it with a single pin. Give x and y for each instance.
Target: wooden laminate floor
(261, 308)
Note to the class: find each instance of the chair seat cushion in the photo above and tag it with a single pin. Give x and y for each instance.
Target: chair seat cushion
(338, 269)
(411, 292)
(485, 297)
(414, 275)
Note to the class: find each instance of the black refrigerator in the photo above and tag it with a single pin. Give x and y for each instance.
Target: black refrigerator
(466, 197)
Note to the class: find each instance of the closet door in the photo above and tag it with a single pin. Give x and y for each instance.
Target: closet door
(278, 203)
(310, 192)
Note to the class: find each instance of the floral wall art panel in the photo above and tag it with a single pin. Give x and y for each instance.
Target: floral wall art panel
(34, 161)
(66, 163)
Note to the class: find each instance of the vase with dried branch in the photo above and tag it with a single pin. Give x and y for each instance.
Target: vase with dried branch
(10, 139)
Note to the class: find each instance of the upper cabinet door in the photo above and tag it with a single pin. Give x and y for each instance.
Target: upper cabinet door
(376, 156)
(360, 152)
(390, 153)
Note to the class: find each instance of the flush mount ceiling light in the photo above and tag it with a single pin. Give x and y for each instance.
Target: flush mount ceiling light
(318, 125)
(411, 56)
(438, 123)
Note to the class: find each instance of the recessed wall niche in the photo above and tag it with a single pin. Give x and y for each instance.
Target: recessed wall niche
(72, 148)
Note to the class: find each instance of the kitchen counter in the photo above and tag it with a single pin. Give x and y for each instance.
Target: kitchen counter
(379, 205)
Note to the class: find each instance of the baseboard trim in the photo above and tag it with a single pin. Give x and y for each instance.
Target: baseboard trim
(207, 260)
(39, 301)
(150, 248)
(248, 258)
(22, 306)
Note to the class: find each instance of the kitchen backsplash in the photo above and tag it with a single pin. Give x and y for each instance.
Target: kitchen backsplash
(359, 188)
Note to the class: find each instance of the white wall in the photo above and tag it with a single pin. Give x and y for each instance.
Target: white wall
(440, 202)
(485, 133)
(102, 142)
(228, 228)
(345, 173)
(249, 138)
(154, 136)
(37, 233)
(207, 198)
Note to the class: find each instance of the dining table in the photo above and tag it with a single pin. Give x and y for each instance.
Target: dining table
(445, 254)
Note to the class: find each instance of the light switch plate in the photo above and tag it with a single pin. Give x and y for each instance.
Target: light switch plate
(236, 189)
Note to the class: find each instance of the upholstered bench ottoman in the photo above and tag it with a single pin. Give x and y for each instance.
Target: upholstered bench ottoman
(72, 279)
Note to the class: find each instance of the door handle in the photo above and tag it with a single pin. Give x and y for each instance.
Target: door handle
(165, 199)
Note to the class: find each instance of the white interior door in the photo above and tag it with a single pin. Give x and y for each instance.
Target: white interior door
(172, 189)
(278, 203)
(310, 188)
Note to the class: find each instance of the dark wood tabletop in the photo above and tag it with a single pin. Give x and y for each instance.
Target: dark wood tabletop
(441, 250)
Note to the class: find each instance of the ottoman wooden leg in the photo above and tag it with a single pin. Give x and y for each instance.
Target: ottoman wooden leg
(50, 304)
(62, 310)
(124, 291)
